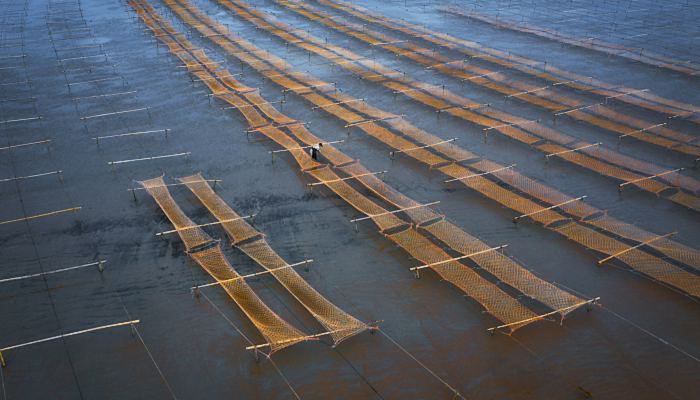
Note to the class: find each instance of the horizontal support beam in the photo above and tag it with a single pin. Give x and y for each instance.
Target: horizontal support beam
(635, 247)
(19, 178)
(12, 121)
(303, 147)
(480, 174)
(431, 265)
(572, 150)
(539, 317)
(207, 224)
(186, 154)
(166, 131)
(337, 103)
(47, 214)
(104, 95)
(395, 211)
(25, 144)
(99, 264)
(392, 153)
(269, 271)
(516, 124)
(115, 113)
(641, 130)
(622, 185)
(516, 219)
(215, 181)
(369, 121)
(65, 335)
(345, 179)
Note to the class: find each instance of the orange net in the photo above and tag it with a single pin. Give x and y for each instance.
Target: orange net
(677, 251)
(486, 187)
(545, 97)
(639, 260)
(533, 68)
(278, 332)
(617, 50)
(339, 324)
(504, 268)
(501, 305)
(487, 292)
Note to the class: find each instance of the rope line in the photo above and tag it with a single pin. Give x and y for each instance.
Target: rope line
(279, 371)
(447, 385)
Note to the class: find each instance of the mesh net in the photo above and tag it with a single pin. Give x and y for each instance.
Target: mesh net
(327, 175)
(546, 98)
(617, 50)
(236, 227)
(192, 237)
(636, 258)
(489, 188)
(340, 324)
(501, 305)
(504, 268)
(487, 293)
(278, 333)
(677, 251)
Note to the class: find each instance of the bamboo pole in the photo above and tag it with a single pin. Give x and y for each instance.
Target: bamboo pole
(18, 178)
(539, 317)
(622, 185)
(516, 219)
(480, 174)
(176, 184)
(186, 154)
(207, 224)
(641, 130)
(572, 150)
(394, 212)
(344, 179)
(269, 271)
(65, 335)
(100, 265)
(41, 215)
(373, 120)
(635, 247)
(513, 124)
(392, 153)
(416, 270)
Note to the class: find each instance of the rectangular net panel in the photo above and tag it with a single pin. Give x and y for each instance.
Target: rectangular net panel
(274, 329)
(684, 181)
(503, 268)
(675, 250)
(391, 195)
(498, 303)
(340, 324)
(278, 332)
(238, 229)
(328, 151)
(502, 196)
(637, 259)
(357, 200)
(604, 168)
(192, 237)
(254, 98)
(688, 200)
(536, 190)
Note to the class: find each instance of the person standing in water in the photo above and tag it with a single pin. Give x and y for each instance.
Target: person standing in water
(315, 150)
